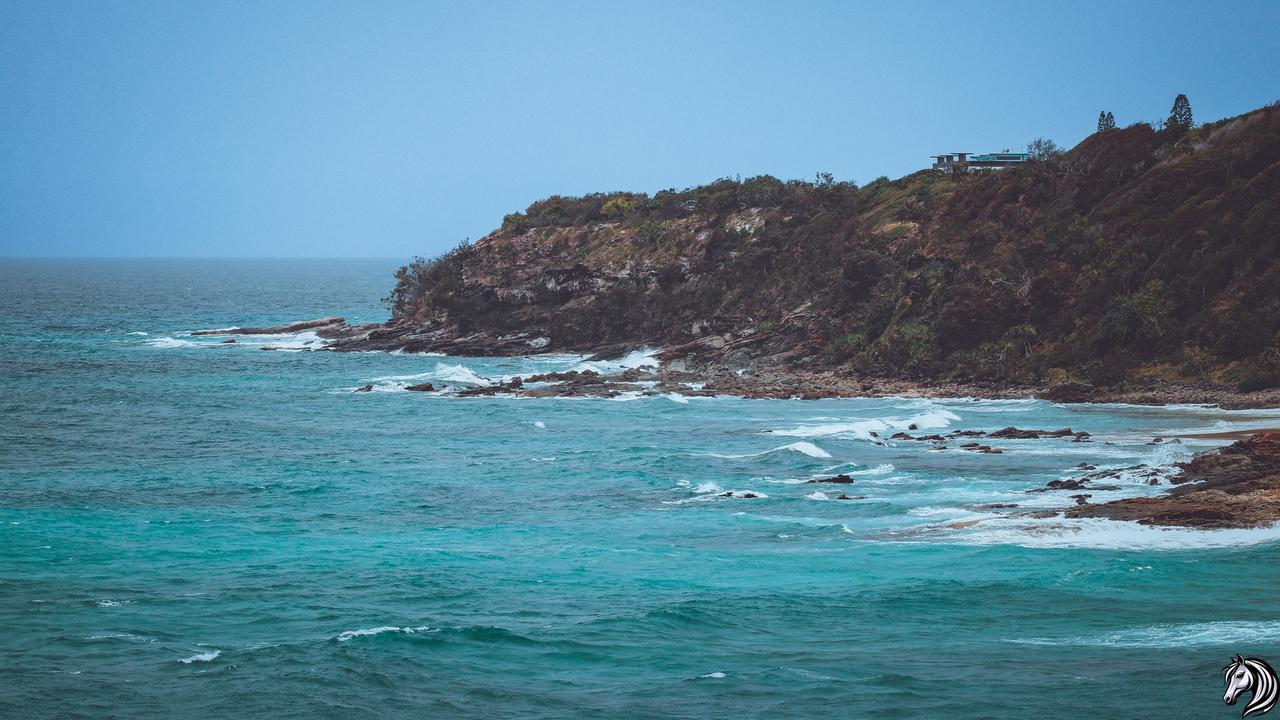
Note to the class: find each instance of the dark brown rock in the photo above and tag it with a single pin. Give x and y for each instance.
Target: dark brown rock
(1013, 433)
(838, 479)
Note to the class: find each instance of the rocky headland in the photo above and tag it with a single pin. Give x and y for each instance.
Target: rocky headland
(1142, 265)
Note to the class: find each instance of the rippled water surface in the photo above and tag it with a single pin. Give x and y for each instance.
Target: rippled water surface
(192, 528)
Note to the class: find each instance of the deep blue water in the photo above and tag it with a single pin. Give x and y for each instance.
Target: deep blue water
(192, 529)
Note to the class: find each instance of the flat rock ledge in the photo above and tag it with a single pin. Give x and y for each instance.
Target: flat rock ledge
(1237, 486)
(325, 323)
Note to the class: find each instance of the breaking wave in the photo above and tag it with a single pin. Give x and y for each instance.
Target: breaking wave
(1222, 632)
(443, 372)
(635, 359)
(862, 429)
(802, 447)
(201, 657)
(348, 635)
(169, 342)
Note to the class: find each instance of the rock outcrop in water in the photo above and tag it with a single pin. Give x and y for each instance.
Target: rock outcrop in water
(1237, 486)
(332, 324)
(1137, 261)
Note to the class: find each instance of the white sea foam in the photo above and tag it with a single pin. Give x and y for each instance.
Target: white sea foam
(1097, 533)
(817, 495)
(539, 424)
(881, 469)
(1221, 632)
(1169, 454)
(994, 406)
(709, 491)
(139, 332)
(862, 429)
(443, 372)
(633, 360)
(201, 657)
(286, 342)
(803, 447)
(401, 351)
(113, 603)
(169, 342)
(366, 632)
(713, 675)
(121, 636)
(677, 398)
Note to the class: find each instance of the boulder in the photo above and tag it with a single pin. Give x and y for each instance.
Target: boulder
(838, 479)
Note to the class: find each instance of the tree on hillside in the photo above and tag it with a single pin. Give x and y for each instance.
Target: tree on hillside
(1111, 121)
(1180, 115)
(1106, 121)
(1043, 149)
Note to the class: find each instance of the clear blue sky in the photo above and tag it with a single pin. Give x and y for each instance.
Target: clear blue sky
(393, 129)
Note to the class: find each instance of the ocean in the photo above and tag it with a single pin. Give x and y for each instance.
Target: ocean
(196, 529)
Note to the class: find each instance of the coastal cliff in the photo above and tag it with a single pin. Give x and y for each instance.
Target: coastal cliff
(1139, 259)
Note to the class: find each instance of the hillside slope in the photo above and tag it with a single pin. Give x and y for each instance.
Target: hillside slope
(1138, 257)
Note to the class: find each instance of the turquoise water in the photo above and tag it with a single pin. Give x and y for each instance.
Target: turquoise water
(196, 529)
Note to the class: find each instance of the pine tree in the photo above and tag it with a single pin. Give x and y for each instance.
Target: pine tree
(1180, 115)
(1106, 121)
(1111, 121)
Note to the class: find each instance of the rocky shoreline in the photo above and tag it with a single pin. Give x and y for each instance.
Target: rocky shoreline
(710, 368)
(1237, 486)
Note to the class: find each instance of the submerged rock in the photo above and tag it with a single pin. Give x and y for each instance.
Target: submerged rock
(366, 388)
(421, 387)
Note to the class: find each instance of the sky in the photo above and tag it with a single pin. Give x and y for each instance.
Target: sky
(394, 129)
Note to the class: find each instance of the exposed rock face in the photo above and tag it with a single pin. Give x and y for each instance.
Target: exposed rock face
(1234, 487)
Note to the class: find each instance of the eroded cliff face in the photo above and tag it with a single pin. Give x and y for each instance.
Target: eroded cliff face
(1137, 257)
